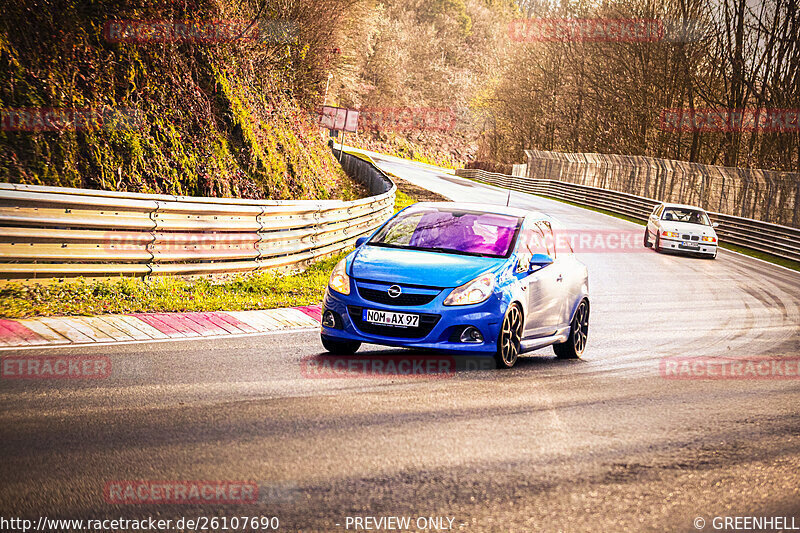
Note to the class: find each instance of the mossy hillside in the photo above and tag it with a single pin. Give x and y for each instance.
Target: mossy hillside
(208, 122)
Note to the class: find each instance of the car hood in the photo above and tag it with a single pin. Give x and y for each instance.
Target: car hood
(685, 227)
(418, 267)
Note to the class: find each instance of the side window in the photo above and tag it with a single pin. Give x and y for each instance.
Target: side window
(534, 239)
(562, 242)
(657, 211)
(548, 244)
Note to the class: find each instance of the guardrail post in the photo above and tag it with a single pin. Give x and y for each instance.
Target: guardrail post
(150, 246)
(260, 231)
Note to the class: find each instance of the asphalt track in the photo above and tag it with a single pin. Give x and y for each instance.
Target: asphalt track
(607, 443)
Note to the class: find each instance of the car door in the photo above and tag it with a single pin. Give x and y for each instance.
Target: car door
(574, 278)
(545, 286)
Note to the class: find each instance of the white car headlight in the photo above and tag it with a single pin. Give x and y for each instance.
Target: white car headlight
(340, 281)
(472, 292)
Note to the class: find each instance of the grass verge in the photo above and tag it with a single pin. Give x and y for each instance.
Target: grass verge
(402, 200)
(788, 263)
(263, 290)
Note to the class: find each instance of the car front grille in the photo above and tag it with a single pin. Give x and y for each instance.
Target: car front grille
(426, 323)
(687, 237)
(410, 295)
(405, 299)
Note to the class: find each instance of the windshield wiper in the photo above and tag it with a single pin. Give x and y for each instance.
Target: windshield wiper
(451, 251)
(386, 245)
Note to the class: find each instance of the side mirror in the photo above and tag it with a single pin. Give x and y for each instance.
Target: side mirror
(361, 240)
(715, 224)
(540, 261)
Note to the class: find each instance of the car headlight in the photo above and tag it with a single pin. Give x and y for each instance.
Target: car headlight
(706, 238)
(669, 234)
(472, 292)
(340, 281)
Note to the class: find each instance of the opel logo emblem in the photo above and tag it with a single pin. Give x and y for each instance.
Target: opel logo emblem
(394, 291)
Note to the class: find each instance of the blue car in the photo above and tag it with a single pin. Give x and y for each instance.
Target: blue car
(462, 278)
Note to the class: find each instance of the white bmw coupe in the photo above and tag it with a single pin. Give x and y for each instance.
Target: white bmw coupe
(681, 228)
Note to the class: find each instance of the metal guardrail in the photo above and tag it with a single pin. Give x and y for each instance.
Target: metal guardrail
(780, 241)
(51, 232)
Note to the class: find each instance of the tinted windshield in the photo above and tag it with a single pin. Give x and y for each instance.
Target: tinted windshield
(692, 216)
(451, 231)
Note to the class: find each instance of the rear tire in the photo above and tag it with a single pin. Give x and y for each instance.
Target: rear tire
(340, 347)
(509, 339)
(647, 243)
(578, 334)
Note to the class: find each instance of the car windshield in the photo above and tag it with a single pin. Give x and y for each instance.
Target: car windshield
(692, 216)
(451, 231)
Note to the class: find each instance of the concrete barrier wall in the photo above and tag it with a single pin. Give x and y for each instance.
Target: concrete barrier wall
(764, 195)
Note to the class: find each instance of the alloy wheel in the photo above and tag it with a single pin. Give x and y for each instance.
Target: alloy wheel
(580, 327)
(510, 336)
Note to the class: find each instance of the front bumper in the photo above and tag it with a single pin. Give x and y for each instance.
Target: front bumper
(445, 323)
(677, 245)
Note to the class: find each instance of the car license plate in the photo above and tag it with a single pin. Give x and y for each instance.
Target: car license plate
(390, 318)
(690, 245)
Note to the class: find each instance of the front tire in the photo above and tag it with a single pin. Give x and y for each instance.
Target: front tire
(578, 334)
(340, 347)
(657, 245)
(508, 342)
(647, 243)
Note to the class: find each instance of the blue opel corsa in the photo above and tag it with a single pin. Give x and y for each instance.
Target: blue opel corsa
(457, 277)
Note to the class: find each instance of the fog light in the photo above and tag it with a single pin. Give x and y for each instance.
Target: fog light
(328, 319)
(471, 334)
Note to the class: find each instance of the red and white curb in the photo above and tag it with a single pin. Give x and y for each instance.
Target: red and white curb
(54, 331)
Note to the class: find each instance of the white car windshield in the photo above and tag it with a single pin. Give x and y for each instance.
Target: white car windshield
(692, 216)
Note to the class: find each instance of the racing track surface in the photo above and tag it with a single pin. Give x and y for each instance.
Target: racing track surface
(601, 444)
